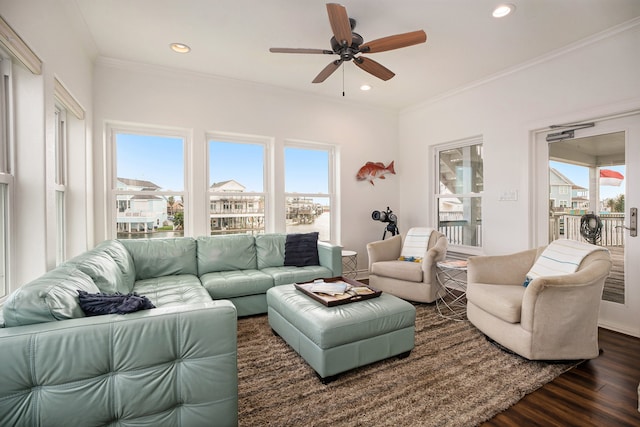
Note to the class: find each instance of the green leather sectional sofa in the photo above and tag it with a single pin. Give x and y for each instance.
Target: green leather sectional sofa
(174, 365)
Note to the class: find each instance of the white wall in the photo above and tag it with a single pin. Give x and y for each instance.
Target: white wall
(135, 93)
(43, 27)
(596, 76)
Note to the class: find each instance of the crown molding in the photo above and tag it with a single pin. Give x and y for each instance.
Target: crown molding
(68, 100)
(12, 42)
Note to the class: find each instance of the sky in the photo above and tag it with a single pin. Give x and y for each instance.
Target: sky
(160, 159)
(579, 175)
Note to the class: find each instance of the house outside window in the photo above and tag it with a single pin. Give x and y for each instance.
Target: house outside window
(237, 196)
(459, 190)
(309, 188)
(148, 183)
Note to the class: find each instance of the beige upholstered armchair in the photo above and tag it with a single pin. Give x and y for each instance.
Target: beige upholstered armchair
(414, 281)
(554, 318)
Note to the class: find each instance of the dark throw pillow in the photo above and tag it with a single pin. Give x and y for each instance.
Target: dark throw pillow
(101, 303)
(301, 250)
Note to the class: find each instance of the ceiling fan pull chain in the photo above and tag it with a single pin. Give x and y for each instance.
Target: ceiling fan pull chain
(343, 79)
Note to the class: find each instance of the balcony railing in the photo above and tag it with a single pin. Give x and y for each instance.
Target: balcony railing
(457, 232)
(567, 226)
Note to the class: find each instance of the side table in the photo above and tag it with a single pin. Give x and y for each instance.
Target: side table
(451, 300)
(349, 264)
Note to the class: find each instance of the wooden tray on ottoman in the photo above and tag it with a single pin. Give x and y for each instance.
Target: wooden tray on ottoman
(356, 291)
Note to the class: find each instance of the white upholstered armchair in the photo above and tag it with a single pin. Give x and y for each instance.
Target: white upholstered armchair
(555, 317)
(414, 281)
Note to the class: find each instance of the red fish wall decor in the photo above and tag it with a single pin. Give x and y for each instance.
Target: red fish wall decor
(371, 171)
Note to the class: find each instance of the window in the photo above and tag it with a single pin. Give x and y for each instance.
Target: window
(237, 195)
(6, 171)
(60, 180)
(309, 191)
(459, 192)
(148, 183)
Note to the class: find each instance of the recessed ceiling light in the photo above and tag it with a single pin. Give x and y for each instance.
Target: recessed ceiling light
(503, 10)
(365, 87)
(180, 47)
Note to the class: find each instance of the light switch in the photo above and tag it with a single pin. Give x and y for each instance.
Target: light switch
(509, 195)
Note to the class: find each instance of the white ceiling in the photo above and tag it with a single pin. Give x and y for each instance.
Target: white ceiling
(231, 39)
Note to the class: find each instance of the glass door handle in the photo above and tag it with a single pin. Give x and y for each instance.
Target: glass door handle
(633, 223)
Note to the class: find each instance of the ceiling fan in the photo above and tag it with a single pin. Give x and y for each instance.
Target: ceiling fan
(349, 45)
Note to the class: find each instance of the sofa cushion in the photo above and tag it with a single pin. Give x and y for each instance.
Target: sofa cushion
(270, 250)
(172, 290)
(236, 283)
(224, 253)
(122, 257)
(401, 270)
(287, 275)
(162, 257)
(301, 250)
(103, 270)
(53, 296)
(502, 301)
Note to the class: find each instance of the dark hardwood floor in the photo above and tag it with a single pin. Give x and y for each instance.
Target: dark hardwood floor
(601, 392)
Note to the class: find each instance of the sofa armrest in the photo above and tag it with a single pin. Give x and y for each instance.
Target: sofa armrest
(500, 269)
(433, 255)
(545, 300)
(384, 250)
(173, 365)
(330, 256)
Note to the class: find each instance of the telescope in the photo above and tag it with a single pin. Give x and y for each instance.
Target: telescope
(387, 216)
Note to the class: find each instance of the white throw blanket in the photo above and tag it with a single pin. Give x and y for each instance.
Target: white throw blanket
(560, 257)
(415, 243)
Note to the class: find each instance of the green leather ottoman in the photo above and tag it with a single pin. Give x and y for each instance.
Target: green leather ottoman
(336, 339)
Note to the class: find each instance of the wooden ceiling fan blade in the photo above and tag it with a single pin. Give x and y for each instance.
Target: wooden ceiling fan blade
(340, 24)
(374, 68)
(394, 42)
(327, 71)
(297, 50)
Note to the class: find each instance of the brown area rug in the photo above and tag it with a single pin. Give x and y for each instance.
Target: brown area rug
(453, 377)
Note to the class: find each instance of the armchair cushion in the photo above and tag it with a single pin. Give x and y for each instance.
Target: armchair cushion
(415, 243)
(503, 301)
(401, 270)
(560, 257)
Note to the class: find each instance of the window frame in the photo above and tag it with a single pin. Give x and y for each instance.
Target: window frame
(437, 195)
(111, 202)
(332, 184)
(7, 177)
(60, 181)
(266, 194)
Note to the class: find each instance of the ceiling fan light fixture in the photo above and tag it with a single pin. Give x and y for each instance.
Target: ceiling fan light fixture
(365, 87)
(349, 46)
(503, 10)
(180, 48)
